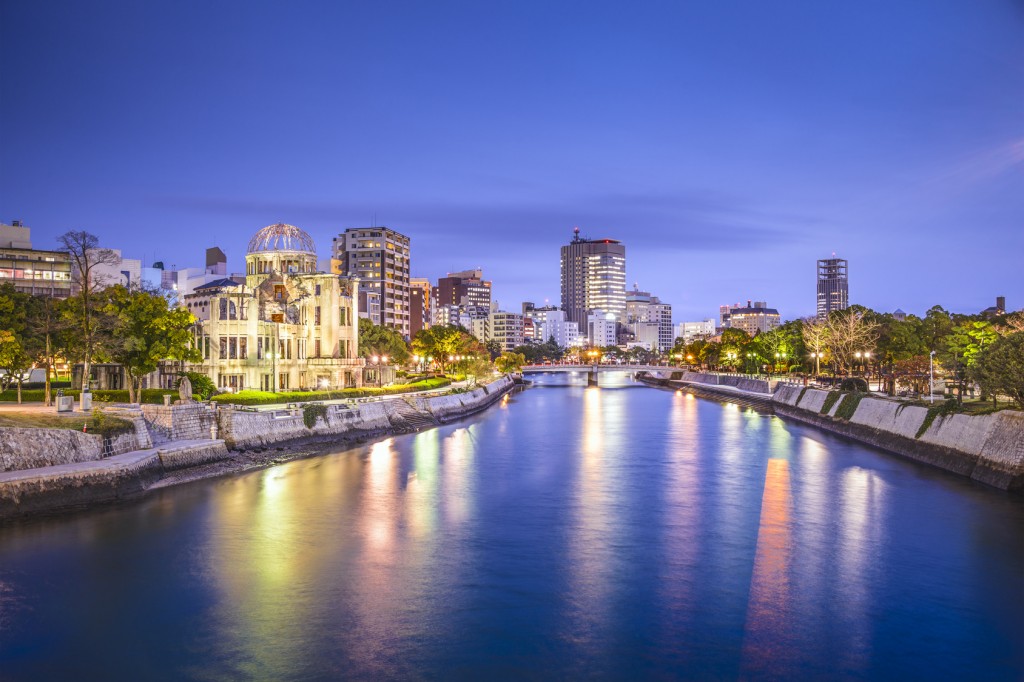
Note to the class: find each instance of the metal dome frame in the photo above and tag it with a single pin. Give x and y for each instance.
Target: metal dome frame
(281, 237)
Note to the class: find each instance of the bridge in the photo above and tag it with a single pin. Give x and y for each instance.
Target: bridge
(594, 369)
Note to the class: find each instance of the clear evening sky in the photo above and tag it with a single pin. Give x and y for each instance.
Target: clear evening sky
(728, 144)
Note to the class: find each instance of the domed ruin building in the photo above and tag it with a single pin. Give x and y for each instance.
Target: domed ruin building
(287, 327)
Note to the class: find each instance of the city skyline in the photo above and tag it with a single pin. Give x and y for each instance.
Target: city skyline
(728, 167)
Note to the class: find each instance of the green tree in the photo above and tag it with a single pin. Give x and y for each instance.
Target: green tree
(377, 339)
(962, 347)
(17, 342)
(999, 368)
(144, 330)
(509, 362)
(444, 341)
(493, 348)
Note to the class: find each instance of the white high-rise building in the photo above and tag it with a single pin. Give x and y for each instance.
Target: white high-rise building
(601, 328)
(649, 320)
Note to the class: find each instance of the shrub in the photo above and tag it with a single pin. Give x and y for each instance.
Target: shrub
(944, 410)
(154, 396)
(830, 400)
(312, 412)
(266, 398)
(847, 408)
(853, 384)
(202, 385)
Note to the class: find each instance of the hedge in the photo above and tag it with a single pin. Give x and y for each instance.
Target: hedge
(267, 398)
(154, 396)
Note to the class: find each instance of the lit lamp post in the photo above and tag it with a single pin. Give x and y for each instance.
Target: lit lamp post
(731, 357)
(378, 363)
(817, 363)
(750, 361)
(931, 377)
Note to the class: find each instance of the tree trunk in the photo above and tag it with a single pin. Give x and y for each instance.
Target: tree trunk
(46, 394)
(19, 391)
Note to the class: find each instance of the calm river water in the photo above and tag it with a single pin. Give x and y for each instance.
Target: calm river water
(614, 532)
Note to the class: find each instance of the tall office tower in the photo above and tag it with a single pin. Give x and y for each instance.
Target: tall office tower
(593, 278)
(468, 288)
(419, 304)
(379, 257)
(833, 286)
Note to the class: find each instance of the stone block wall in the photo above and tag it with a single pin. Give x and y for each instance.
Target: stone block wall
(988, 448)
(34, 448)
(192, 455)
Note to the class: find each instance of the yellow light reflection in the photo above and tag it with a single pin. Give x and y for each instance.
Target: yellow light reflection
(770, 624)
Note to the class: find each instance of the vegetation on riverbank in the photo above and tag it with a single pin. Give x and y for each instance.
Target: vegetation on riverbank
(268, 398)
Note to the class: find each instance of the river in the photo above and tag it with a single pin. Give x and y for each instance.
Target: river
(614, 532)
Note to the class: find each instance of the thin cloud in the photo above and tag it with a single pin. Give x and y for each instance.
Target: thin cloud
(684, 221)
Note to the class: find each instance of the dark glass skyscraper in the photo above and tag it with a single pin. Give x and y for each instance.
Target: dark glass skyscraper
(833, 286)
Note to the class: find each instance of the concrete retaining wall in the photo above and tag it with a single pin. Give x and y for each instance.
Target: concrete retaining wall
(72, 485)
(736, 381)
(242, 428)
(182, 421)
(988, 448)
(445, 408)
(194, 454)
(33, 448)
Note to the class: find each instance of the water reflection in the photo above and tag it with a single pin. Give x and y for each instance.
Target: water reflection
(768, 637)
(573, 532)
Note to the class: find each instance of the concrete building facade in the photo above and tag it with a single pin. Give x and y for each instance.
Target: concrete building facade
(32, 271)
(380, 257)
(286, 327)
(649, 320)
(833, 286)
(593, 276)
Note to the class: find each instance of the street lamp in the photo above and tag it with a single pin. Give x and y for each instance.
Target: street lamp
(817, 363)
(378, 363)
(931, 376)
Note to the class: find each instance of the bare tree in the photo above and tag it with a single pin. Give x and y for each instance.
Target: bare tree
(816, 339)
(86, 257)
(848, 333)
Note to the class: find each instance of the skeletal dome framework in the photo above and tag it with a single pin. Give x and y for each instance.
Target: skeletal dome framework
(281, 237)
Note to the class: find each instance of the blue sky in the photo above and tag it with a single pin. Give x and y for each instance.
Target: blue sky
(728, 144)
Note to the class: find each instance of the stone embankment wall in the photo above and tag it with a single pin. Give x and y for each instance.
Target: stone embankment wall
(988, 448)
(445, 408)
(740, 382)
(78, 476)
(72, 485)
(245, 428)
(34, 448)
(182, 421)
